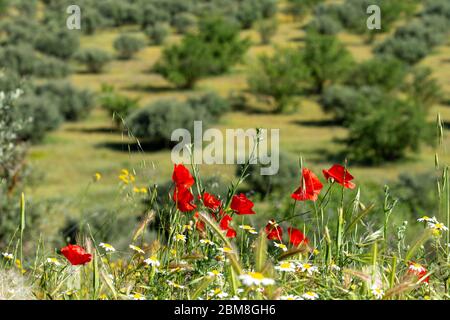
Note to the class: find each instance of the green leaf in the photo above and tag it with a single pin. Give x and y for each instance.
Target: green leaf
(418, 243)
(260, 251)
(361, 215)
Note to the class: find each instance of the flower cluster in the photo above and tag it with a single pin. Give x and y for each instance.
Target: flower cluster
(190, 247)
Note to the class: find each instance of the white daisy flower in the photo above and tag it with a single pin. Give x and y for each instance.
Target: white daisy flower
(280, 246)
(180, 237)
(215, 273)
(207, 242)
(175, 285)
(437, 226)
(152, 261)
(286, 267)
(137, 249)
(69, 292)
(291, 297)
(137, 296)
(427, 219)
(8, 256)
(53, 261)
(218, 293)
(416, 268)
(310, 295)
(248, 228)
(308, 268)
(335, 267)
(256, 278)
(377, 292)
(226, 250)
(107, 247)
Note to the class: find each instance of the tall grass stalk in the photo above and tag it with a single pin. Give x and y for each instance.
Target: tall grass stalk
(22, 225)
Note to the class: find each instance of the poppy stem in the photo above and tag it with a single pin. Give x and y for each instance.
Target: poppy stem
(294, 216)
(325, 195)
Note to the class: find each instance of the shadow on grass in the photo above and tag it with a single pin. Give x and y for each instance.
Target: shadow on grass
(153, 89)
(324, 156)
(85, 72)
(250, 109)
(110, 130)
(298, 39)
(134, 147)
(317, 123)
(446, 102)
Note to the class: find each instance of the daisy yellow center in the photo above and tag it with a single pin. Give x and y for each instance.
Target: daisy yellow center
(256, 275)
(135, 248)
(285, 265)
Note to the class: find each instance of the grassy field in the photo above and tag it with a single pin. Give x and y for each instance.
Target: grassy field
(70, 156)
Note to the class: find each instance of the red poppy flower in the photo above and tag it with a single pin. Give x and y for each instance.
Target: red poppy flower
(76, 255)
(310, 187)
(231, 233)
(221, 212)
(183, 198)
(182, 177)
(210, 201)
(418, 270)
(273, 231)
(199, 224)
(225, 225)
(340, 175)
(241, 205)
(296, 237)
